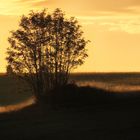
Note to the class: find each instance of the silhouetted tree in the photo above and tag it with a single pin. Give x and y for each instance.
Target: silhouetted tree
(45, 49)
(9, 70)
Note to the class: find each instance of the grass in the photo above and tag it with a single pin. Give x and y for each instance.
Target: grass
(118, 82)
(116, 78)
(76, 113)
(11, 91)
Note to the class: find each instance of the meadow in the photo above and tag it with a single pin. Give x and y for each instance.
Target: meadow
(118, 82)
(13, 92)
(98, 112)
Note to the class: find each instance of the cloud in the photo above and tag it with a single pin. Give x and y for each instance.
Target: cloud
(123, 23)
(77, 7)
(88, 5)
(17, 7)
(114, 15)
(28, 1)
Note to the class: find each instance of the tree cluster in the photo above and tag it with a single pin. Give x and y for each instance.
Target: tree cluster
(45, 49)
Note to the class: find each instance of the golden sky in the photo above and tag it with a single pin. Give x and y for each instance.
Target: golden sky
(112, 26)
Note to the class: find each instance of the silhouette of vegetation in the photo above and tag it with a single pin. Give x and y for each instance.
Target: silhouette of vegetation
(9, 70)
(45, 49)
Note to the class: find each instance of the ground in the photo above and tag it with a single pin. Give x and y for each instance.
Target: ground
(102, 116)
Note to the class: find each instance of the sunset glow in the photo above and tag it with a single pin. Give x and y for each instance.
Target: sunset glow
(112, 26)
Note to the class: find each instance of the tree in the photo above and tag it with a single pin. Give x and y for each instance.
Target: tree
(9, 70)
(45, 49)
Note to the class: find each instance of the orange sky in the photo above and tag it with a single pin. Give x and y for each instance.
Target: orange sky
(113, 26)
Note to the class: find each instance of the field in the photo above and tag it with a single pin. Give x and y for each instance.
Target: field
(102, 113)
(108, 81)
(11, 91)
(118, 82)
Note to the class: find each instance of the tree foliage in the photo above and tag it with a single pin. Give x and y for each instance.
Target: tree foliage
(9, 70)
(45, 49)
